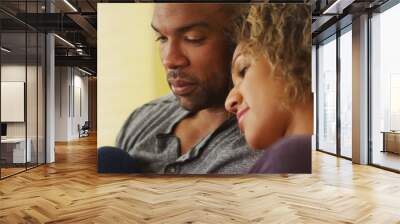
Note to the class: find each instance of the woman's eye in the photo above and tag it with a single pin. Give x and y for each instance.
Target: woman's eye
(242, 71)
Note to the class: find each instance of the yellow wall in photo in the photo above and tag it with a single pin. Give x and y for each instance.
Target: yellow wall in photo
(129, 67)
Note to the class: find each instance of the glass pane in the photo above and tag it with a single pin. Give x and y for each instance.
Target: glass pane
(346, 94)
(41, 98)
(327, 96)
(386, 89)
(32, 95)
(23, 88)
(14, 153)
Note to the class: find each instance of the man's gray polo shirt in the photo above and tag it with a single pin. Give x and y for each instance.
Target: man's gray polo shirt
(148, 137)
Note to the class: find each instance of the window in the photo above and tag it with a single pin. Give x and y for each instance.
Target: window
(327, 95)
(346, 93)
(385, 88)
(22, 77)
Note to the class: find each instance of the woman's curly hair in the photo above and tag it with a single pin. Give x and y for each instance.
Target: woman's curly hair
(282, 32)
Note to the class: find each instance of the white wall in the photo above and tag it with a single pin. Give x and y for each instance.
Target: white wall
(62, 81)
(82, 83)
(70, 83)
(16, 73)
(80, 105)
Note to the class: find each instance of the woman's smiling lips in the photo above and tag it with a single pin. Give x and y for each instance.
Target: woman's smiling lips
(240, 115)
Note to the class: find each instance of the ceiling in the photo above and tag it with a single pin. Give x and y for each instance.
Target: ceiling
(332, 15)
(76, 22)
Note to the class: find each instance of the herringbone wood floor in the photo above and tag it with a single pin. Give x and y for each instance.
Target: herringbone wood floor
(70, 191)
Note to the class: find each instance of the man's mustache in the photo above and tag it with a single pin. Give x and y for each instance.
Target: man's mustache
(178, 74)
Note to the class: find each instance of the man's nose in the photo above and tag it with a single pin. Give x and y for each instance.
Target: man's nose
(173, 56)
(233, 100)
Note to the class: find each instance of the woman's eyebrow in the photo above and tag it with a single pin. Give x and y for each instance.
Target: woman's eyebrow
(234, 60)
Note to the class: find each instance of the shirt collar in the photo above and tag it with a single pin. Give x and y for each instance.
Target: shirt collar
(177, 117)
(181, 113)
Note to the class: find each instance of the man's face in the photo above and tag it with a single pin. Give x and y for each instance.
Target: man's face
(195, 52)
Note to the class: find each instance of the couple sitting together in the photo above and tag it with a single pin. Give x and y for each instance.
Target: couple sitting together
(241, 97)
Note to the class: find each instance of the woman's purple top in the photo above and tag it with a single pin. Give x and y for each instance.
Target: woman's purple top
(288, 155)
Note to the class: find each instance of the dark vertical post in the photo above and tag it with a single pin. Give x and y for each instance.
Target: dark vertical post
(0, 91)
(37, 88)
(317, 96)
(338, 77)
(26, 85)
(369, 89)
(47, 2)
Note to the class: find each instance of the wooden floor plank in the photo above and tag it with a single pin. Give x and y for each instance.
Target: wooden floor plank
(71, 191)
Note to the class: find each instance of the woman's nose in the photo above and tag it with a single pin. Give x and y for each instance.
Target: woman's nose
(233, 101)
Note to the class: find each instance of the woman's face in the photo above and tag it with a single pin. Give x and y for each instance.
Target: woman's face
(256, 99)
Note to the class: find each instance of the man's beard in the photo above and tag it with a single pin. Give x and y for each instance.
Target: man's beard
(194, 102)
(201, 98)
